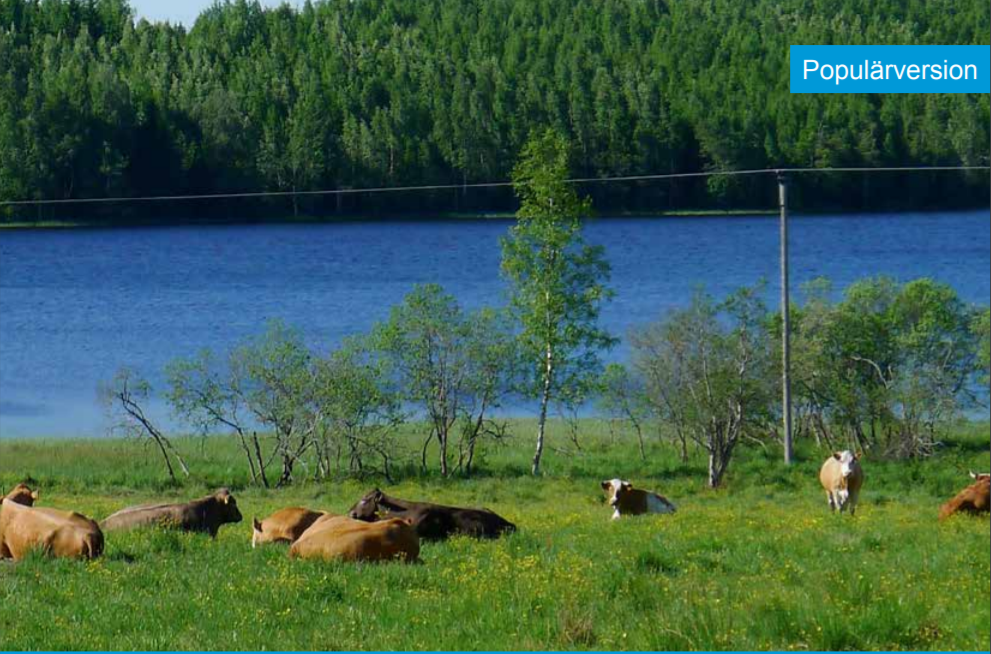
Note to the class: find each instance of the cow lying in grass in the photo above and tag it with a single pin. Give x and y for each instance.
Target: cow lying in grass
(204, 515)
(972, 500)
(842, 477)
(626, 500)
(25, 528)
(22, 495)
(433, 521)
(339, 538)
(283, 526)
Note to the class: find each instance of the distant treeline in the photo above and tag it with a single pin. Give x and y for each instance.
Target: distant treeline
(364, 93)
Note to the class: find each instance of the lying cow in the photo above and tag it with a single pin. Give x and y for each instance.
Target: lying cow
(339, 538)
(972, 500)
(283, 526)
(628, 501)
(842, 477)
(22, 495)
(204, 515)
(433, 521)
(24, 528)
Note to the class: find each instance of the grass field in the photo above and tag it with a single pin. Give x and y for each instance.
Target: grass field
(759, 564)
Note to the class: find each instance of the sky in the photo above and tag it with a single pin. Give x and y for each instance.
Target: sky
(181, 11)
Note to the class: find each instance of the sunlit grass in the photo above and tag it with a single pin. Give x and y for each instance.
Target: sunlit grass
(759, 564)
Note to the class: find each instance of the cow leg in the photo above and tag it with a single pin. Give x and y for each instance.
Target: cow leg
(832, 502)
(843, 498)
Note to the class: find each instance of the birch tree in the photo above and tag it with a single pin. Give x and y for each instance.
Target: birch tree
(558, 281)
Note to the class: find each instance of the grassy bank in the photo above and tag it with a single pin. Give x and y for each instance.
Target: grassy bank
(758, 564)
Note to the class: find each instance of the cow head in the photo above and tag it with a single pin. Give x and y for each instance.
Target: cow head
(366, 509)
(228, 506)
(979, 477)
(848, 462)
(616, 490)
(21, 494)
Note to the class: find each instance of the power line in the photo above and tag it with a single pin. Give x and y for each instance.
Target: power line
(486, 185)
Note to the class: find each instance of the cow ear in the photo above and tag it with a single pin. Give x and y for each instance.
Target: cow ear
(838, 456)
(606, 485)
(257, 525)
(858, 456)
(627, 485)
(35, 495)
(226, 499)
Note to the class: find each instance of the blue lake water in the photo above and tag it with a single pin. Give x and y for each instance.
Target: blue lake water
(76, 305)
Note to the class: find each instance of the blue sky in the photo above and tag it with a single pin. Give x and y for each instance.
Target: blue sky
(181, 11)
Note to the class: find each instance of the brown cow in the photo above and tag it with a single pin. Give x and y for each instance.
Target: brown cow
(22, 495)
(433, 521)
(283, 526)
(842, 477)
(972, 500)
(204, 515)
(56, 533)
(626, 500)
(339, 538)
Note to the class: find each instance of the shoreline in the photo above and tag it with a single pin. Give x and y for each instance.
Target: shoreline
(480, 216)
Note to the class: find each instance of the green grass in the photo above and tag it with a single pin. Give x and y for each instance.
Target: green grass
(759, 564)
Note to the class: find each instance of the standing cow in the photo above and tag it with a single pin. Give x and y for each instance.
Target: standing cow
(842, 477)
(626, 500)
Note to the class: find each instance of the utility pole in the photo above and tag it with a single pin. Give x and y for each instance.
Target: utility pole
(785, 319)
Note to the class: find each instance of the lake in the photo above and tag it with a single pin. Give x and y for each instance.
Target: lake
(75, 305)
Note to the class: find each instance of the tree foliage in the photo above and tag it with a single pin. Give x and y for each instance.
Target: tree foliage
(344, 94)
(454, 366)
(888, 367)
(709, 373)
(558, 282)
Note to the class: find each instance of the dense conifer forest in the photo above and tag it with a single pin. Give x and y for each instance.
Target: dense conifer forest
(363, 93)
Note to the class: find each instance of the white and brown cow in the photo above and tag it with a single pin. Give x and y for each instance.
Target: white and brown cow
(842, 477)
(627, 501)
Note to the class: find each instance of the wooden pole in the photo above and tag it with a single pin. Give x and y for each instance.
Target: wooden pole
(785, 320)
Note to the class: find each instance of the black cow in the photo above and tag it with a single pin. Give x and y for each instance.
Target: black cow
(433, 521)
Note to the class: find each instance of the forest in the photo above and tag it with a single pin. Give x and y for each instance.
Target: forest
(342, 94)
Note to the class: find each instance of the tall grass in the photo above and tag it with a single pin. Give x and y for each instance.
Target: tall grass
(759, 564)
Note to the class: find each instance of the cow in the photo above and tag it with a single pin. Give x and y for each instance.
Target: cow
(22, 495)
(205, 515)
(283, 526)
(340, 538)
(972, 500)
(433, 522)
(628, 501)
(63, 534)
(842, 477)
(979, 477)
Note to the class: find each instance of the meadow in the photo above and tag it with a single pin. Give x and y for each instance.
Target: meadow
(758, 564)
